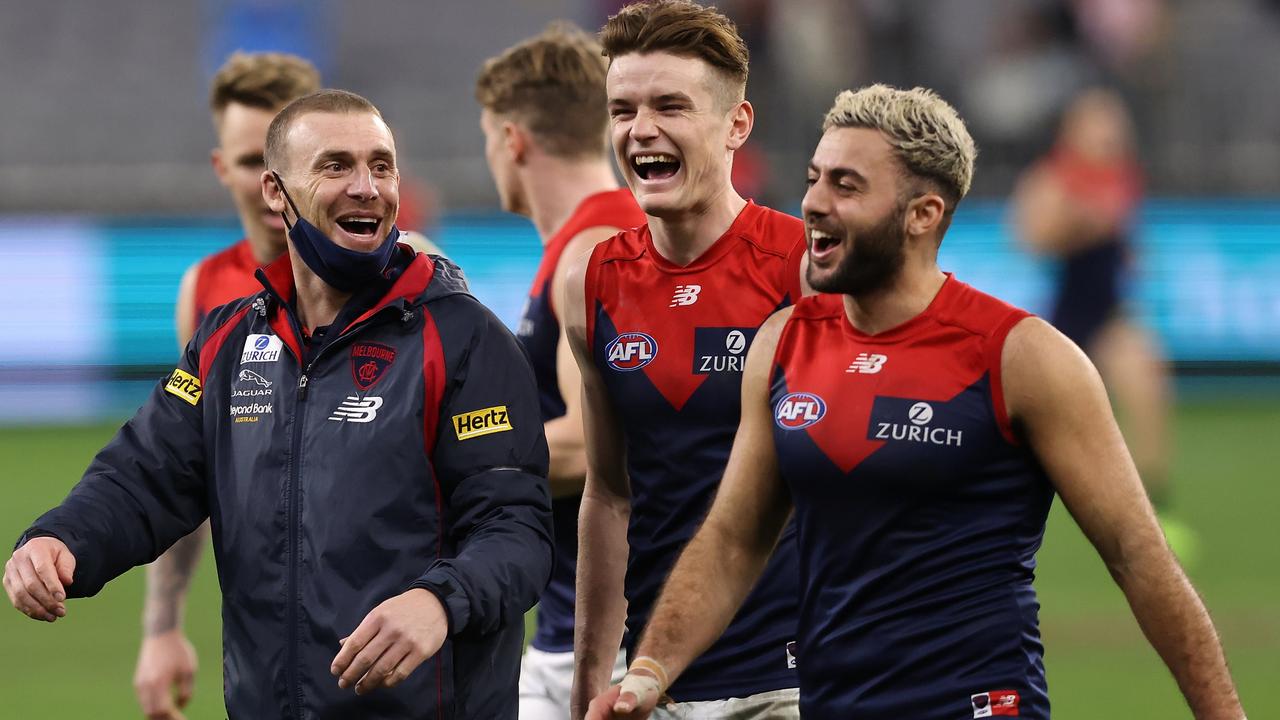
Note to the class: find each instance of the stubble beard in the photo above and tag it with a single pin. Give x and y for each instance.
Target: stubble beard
(871, 264)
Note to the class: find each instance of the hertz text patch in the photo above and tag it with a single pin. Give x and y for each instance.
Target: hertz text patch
(184, 385)
(481, 422)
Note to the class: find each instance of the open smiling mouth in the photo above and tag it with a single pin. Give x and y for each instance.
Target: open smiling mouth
(655, 166)
(359, 226)
(822, 242)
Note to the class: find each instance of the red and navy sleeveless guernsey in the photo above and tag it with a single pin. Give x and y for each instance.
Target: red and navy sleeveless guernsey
(540, 334)
(670, 343)
(919, 514)
(225, 276)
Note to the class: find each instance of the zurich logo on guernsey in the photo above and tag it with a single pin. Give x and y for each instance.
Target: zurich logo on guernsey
(799, 410)
(631, 351)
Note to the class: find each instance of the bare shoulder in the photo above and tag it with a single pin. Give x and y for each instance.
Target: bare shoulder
(760, 355)
(573, 295)
(1041, 368)
(587, 239)
(771, 329)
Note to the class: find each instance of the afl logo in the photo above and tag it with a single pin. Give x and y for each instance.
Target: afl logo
(631, 351)
(799, 410)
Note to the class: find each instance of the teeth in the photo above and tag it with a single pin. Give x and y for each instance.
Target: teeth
(647, 159)
(819, 235)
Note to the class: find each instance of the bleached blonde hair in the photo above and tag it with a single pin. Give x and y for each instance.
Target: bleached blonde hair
(925, 132)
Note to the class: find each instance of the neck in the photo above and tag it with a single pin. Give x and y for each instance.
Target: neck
(264, 247)
(557, 187)
(682, 238)
(317, 302)
(908, 295)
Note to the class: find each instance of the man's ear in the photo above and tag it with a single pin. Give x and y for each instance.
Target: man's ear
(271, 193)
(516, 140)
(219, 164)
(742, 118)
(924, 214)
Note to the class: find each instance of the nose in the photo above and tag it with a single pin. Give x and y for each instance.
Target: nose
(816, 202)
(362, 186)
(643, 126)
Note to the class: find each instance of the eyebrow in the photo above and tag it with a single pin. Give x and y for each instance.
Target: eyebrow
(250, 158)
(839, 173)
(673, 97)
(381, 153)
(657, 100)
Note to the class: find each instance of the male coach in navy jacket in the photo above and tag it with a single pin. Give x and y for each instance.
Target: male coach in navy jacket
(365, 437)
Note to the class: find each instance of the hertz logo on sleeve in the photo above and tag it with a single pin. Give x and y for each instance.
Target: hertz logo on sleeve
(184, 385)
(481, 422)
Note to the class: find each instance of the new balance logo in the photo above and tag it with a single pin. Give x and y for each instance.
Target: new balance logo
(867, 363)
(685, 295)
(357, 410)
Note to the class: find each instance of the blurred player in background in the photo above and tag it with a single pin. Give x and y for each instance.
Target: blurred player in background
(247, 92)
(920, 429)
(545, 125)
(659, 319)
(1078, 205)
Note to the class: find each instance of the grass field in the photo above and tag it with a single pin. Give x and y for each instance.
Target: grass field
(1099, 666)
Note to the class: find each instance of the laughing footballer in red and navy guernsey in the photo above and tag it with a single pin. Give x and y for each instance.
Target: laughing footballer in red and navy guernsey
(660, 319)
(917, 429)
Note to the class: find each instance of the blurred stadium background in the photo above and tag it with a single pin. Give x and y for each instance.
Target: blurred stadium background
(106, 196)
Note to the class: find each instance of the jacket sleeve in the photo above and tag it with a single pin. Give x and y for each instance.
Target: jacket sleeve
(142, 492)
(490, 459)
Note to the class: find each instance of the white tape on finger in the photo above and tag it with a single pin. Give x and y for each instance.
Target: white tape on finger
(645, 688)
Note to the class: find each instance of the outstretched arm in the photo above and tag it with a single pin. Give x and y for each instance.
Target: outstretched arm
(1055, 397)
(724, 559)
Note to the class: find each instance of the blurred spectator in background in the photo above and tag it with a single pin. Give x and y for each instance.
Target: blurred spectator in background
(246, 93)
(1078, 204)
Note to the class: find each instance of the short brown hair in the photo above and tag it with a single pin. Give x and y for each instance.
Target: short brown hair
(925, 132)
(553, 84)
(322, 101)
(266, 80)
(680, 27)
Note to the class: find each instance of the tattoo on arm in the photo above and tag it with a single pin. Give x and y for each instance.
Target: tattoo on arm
(167, 581)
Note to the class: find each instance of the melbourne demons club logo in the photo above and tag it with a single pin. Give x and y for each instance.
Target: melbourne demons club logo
(369, 362)
(631, 351)
(799, 410)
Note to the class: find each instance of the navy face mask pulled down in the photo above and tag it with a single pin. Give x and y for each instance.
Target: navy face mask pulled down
(345, 270)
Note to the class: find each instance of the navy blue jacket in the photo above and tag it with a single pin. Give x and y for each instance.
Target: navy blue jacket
(403, 450)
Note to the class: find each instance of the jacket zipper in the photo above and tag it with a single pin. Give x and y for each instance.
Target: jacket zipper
(295, 535)
(294, 512)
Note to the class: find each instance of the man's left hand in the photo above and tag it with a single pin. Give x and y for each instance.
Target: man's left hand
(391, 642)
